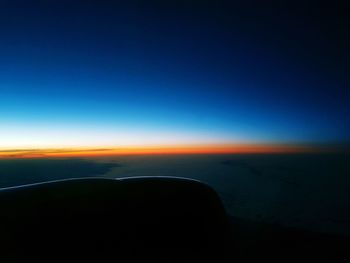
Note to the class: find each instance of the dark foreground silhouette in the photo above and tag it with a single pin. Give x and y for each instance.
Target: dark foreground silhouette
(142, 220)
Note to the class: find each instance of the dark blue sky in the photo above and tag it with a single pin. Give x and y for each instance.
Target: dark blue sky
(109, 72)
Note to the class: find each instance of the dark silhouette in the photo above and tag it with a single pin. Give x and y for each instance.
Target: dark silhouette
(153, 219)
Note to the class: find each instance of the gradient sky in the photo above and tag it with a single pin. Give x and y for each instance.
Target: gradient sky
(93, 73)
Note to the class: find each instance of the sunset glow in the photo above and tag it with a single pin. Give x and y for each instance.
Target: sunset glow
(164, 149)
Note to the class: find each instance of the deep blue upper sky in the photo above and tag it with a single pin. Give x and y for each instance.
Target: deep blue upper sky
(190, 71)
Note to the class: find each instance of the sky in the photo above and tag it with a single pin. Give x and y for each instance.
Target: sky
(170, 73)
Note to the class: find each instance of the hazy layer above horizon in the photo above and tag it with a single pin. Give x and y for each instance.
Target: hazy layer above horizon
(238, 148)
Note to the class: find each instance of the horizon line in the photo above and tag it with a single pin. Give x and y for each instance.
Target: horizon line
(85, 151)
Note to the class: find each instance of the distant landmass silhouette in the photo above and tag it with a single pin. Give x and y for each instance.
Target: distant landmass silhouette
(14, 172)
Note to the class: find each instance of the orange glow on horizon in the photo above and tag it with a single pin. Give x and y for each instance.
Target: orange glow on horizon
(134, 150)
